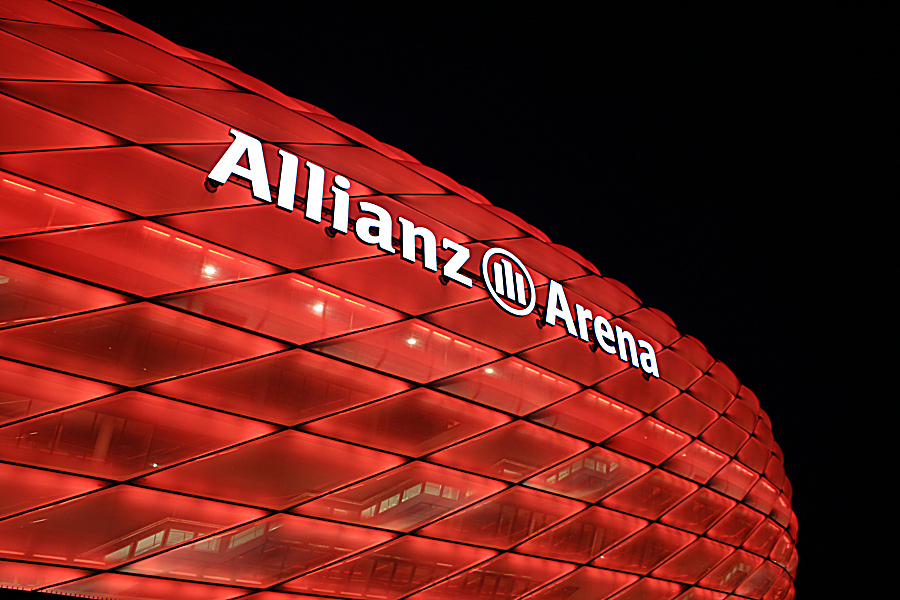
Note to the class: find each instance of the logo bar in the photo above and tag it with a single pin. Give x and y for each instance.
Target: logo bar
(508, 282)
(506, 278)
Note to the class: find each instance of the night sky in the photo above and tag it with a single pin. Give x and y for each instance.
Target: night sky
(682, 157)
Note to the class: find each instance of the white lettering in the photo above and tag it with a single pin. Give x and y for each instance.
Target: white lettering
(626, 342)
(341, 218)
(457, 261)
(511, 285)
(383, 225)
(603, 332)
(255, 174)
(315, 188)
(648, 359)
(583, 315)
(558, 306)
(287, 182)
(408, 234)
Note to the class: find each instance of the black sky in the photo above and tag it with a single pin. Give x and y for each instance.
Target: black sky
(682, 157)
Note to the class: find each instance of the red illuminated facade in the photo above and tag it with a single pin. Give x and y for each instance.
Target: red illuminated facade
(215, 385)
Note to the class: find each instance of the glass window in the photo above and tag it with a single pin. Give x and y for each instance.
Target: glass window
(123, 56)
(289, 307)
(132, 345)
(262, 553)
(646, 549)
(511, 452)
(276, 471)
(512, 385)
(28, 128)
(36, 63)
(98, 529)
(393, 570)
(410, 349)
(584, 536)
(588, 414)
(30, 295)
(126, 111)
(29, 390)
(604, 472)
(414, 423)
(587, 583)
(505, 519)
(123, 435)
(651, 495)
(287, 388)
(392, 281)
(148, 543)
(507, 576)
(139, 257)
(349, 503)
(156, 184)
(29, 206)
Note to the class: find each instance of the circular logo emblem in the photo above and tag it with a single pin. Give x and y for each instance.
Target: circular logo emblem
(508, 282)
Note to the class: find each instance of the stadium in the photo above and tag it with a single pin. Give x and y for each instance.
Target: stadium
(249, 351)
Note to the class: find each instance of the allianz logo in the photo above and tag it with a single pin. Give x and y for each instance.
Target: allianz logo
(505, 277)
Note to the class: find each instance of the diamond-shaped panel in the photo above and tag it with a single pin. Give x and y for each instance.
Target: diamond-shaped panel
(123, 436)
(276, 471)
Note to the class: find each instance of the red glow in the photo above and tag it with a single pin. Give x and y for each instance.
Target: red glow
(29, 206)
(213, 390)
(275, 471)
(139, 257)
(414, 423)
(511, 385)
(574, 539)
(392, 570)
(287, 388)
(505, 519)
(29, 390)
(512, 452)
(262, 553)
(134, 522)
(290, 307)
(403, 499)
(123, 436)
(412, 350)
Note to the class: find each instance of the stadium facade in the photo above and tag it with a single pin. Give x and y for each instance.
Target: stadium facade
(249, 351)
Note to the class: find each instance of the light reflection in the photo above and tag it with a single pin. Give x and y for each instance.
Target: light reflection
(19, 185)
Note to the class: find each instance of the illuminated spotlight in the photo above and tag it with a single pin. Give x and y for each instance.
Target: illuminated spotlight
(209, 270)
(489, 370)
(319, 307)
(411, 341)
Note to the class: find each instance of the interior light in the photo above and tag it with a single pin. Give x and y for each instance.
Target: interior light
(489, 370)
(209, 270)
(411, 341)
(60, 199)
(319, 307)
(19, 185)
